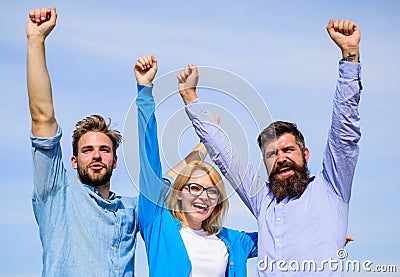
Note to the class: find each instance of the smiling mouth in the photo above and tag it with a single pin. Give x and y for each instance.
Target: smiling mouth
(285, 171)
(200, 206)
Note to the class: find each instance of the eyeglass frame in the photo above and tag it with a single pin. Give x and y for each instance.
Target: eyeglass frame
(203, 189)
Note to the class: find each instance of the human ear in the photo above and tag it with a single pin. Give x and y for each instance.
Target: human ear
(306, 154)
(74, 162)
(115, 162)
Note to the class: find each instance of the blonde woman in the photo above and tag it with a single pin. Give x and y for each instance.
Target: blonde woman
(182, 232)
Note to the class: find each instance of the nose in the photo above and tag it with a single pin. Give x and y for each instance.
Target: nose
(281, 157)
(203, 195)
(96, 154)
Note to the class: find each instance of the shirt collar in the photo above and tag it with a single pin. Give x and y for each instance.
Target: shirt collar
(111, 194)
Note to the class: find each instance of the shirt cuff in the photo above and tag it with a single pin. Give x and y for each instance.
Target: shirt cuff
(350, 70)
(194, 109)
(147, 90)
(46, 143)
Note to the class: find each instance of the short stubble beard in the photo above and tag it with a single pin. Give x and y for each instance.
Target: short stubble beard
(94, 180)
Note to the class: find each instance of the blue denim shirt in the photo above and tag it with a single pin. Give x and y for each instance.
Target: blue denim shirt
(166, 252)
(82, 234)
(311, 227)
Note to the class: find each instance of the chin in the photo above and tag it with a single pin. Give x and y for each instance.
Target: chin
(201, 217)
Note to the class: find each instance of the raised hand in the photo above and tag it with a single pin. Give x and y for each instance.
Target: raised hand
(346, 35)
(145, 70)
(187, 83)
(41, 22)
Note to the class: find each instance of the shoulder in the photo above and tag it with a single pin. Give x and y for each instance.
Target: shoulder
(130, 201)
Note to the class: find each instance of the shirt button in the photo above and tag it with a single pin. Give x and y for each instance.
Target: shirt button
(115, 271)
(113, 248)
(278, 240)
(278, 219)
(231, 263)
(117, 224)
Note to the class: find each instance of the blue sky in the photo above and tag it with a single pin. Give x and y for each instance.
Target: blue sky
(281, 48)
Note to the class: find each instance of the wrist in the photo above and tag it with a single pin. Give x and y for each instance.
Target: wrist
(35, 40)
(146, 84)
(350, 55)
(189, 96)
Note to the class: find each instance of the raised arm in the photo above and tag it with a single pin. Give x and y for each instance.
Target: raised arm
(150, 184)
(241, 174)
(199, 153)
(40, 24)
(341, 154)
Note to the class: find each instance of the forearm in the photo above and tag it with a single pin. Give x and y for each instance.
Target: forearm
(148, 141)
(239, 172)
(151, 186)
(198, 153)
(39, 90)
(342, 151)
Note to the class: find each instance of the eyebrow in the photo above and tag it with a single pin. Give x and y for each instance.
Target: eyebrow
(283, 149)
(105, 147)
(100, 147)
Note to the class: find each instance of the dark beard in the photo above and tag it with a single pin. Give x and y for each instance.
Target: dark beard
(96, 181)
(292, 186)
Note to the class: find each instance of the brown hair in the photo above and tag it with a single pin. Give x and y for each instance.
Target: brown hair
(95, 123)
(213, 224)
(277, 129)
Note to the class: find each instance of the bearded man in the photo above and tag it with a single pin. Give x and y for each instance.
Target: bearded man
(85, 228)
(302, 220)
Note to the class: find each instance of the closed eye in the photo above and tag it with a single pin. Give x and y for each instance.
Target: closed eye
(86, 149)
(270, 154)
(105, 149)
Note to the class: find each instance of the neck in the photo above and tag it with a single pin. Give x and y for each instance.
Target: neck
(192, 225)
(105, 190)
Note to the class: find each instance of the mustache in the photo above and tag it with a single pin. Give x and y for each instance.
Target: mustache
(287, 165)
(97, 162)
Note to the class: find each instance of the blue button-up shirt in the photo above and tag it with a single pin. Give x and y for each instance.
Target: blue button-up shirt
(82, 234)
(297, 236)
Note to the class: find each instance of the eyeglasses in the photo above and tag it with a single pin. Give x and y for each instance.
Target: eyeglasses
(197, 189)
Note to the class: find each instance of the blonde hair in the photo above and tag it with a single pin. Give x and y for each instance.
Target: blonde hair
(213, 224)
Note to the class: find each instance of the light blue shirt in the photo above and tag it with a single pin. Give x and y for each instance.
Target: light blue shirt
(311, 227)
(166, 252)
(82, 234)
